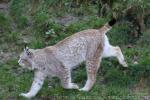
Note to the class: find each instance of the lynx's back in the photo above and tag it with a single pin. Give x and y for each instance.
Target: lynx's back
(78, 47)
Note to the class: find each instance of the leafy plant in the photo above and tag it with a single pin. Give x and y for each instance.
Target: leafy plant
(4, 22)
(12, 36)
(120, 33)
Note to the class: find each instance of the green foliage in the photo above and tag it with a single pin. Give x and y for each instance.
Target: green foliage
(141, 3)
(147, 20)
(114, 76)
(12, 36)
(17, 7)
(51, 32)
(112, 82)
(55, 26)
(4, 22)
(119, 34)
(40, 22)
(139, 71)
(144, 40)
(76, 27)
(37, 42)
(116, 93)
(92, 22)
(11, 81)
(18, 11)
(22, 22)
(40, 18)
(96, 22)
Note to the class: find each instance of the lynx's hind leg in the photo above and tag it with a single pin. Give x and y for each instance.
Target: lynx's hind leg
(92, 68)
(66, 80)
(112, 51)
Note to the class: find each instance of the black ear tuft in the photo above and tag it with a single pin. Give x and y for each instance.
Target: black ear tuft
(112, 22)
(25, 46)
(28, 52)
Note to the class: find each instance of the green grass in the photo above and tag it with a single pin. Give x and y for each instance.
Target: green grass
(113, 82)
(18, 13)
(5, 22)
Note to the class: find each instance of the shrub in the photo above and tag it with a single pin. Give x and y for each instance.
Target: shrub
(22, 22)
(18, 12)
(4, 22)
(40, 19)
(12, 36)
(120, 34)
(115, 77)
(37, 42)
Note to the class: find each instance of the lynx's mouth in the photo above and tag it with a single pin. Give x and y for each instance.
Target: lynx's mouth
(20, 63)
(25, 64)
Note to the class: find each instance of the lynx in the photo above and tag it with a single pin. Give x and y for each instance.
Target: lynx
(89, 45)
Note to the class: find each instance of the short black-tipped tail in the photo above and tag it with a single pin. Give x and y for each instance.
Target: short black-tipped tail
(112, 22)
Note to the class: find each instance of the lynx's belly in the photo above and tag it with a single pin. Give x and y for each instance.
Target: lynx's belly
(107, 46)
(73, 52)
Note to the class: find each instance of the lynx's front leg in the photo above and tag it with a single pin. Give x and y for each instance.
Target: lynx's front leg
(120, 56)
(112, 51)
(92, 68)
(36, 85)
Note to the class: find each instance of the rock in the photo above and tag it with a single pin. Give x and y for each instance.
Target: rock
(3, 6)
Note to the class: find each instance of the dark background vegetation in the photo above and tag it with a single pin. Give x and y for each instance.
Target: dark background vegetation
(41, 23)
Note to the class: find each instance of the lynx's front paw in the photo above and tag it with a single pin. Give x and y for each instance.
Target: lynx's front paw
(124, 64)
(26, 95)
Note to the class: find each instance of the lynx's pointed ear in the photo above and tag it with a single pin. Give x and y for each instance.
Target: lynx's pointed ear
(28, 52)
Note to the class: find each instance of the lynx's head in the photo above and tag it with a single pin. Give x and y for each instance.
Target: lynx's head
(25, 59)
